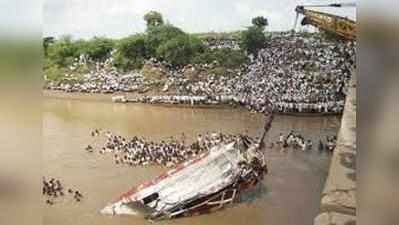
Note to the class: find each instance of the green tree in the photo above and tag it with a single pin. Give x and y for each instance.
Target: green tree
(260, 22)
(177, 51)
(98, 48)
(153, 19)
(131, 52)
(253, 39)
(197, 45)
(159, 35)
(63, 51)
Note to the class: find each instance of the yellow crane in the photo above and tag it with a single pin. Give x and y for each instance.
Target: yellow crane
(343, 27)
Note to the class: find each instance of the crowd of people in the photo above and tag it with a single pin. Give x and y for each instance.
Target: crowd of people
(302, 74)
(295, 72)
(216, 43)
(138, 151)
(53, 189)
(253, 104)
(102, 77)
(295, 140)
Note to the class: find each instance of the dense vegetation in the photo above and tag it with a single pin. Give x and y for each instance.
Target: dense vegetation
(162, 41)
(254, 37)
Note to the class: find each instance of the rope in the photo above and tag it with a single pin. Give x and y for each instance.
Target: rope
(340, 5)
(296, 21)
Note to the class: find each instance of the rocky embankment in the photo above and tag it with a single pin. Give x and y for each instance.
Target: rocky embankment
(338, 202)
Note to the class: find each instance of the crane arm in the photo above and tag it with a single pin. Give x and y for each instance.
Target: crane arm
(341, 26)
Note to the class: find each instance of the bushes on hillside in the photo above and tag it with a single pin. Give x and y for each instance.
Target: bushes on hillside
(180, 50)
(131, 52)
(53, 71)
(176, 51)
(161, 40)
(98, 48)
(228, 58)
(156, 36)
(63, 52)
(164, 42)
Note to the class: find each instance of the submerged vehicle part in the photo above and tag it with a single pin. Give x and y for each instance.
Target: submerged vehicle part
(204, 184)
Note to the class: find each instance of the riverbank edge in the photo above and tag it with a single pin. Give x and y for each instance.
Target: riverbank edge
(99, 97)
(338, 200)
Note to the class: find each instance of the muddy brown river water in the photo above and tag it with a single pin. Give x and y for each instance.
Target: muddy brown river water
(289, 195)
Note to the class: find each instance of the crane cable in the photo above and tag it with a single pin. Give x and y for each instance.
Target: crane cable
(296, 21)
(340, 5)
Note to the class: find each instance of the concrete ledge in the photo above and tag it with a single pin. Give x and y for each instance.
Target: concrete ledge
(339, 193)
(338, 202)
(334, 219)
(342, 201)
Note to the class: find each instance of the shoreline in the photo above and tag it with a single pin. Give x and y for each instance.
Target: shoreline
(52, 94)
(100, 97)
